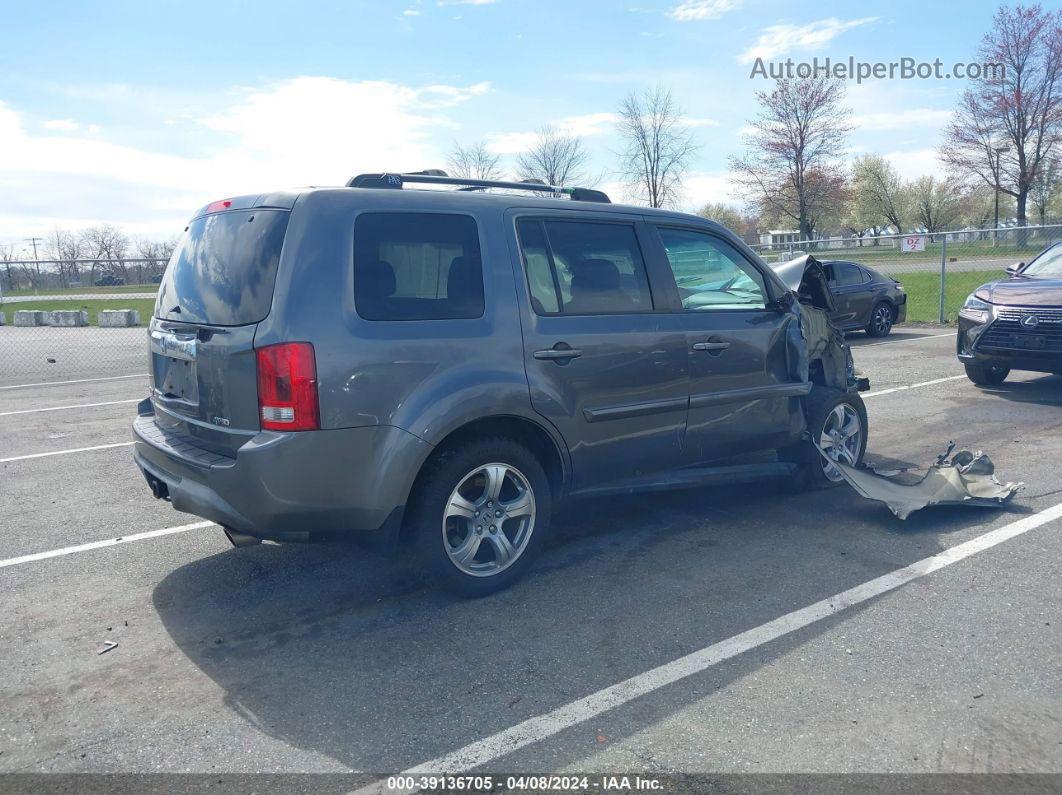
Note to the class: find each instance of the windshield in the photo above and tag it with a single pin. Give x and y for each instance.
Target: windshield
(1049, 263)
(222, 271)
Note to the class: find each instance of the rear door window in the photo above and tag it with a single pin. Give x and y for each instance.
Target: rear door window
(584, 268)
(224, 268)
(417, 266)
(848, 274)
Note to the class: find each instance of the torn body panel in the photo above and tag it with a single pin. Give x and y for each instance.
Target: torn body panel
(966, 479)
(818, 350)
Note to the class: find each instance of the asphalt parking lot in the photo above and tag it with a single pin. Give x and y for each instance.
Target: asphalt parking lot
(287, 658)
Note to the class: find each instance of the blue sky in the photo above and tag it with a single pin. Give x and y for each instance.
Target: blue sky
(136, 113)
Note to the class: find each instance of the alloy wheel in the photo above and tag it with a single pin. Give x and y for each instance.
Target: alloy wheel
(488, 520)
(882, 320)
(840, 439)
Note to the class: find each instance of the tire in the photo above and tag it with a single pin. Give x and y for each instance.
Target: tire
(882, 316)
(459, 553)
(813, 471)
(986, 375)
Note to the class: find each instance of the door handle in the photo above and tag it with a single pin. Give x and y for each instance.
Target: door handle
(558, 354)
(711, 346)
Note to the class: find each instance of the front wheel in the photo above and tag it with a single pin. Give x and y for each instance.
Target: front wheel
(881, 320)
(837, 425)
(986, 375)
(480, 515)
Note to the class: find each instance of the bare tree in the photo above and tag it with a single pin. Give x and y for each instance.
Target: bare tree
(66, 248)
(658, 147)
(105, 242)
(474, 162)
(1046, 187)
(879, 197)
(1009, 125)
(156, 252)
(554, 158)
(793, 167)
(7, 256)
(936, 203)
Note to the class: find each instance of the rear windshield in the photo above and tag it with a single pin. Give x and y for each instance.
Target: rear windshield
(223, 269)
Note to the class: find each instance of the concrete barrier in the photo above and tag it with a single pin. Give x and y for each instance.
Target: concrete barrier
(74, 317)
(32, 317)
(117, 318)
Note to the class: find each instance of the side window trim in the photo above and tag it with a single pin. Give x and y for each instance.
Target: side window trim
(654, 226)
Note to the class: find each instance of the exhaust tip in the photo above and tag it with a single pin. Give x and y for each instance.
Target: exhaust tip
(239, 540)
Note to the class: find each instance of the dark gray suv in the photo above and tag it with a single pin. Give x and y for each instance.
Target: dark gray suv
(439, 368)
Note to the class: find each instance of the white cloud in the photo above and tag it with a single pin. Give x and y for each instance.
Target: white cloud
(691, 10)
(465, 2)
(901, 119)
(701, 188)
(584, 126)
(779, 40)
(308, 130)
(411, 12)
(66, 125)
(916, 163)
(510, 143)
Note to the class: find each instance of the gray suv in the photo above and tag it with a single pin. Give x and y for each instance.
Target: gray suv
(437, 369)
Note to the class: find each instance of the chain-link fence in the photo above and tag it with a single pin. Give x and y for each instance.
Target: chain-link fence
(938, 270)
(64, 320)
(68, 320)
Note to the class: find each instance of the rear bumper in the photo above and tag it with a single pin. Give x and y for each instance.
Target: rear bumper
(901, 312)
(287, 486)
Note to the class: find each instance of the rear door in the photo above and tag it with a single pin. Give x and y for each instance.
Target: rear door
(852, 294)
(602, 366)
(741, 396)
(217, 287)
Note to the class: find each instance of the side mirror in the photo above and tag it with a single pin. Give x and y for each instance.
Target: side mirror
(1015, 268)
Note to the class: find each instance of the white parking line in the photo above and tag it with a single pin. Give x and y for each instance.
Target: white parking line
(64, 452)
(61, 408)
(544, 726)
(78, 381)
(110, 542)
(910, 339)
(911, 386)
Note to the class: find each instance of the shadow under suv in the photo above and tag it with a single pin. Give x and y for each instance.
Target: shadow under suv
(439, 368)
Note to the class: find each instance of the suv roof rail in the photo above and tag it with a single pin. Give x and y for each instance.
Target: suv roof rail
(435, 176)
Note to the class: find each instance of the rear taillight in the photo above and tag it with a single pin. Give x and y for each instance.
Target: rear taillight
(287, 387)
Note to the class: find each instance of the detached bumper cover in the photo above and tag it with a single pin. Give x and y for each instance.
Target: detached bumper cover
(286, 486)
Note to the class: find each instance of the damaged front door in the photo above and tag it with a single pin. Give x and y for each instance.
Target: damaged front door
(742, 397)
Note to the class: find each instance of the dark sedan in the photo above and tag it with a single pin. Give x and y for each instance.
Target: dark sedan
(865, 299)
(1014, 323)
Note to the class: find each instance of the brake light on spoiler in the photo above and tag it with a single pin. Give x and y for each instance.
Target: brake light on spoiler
(219, 205)
(287, 387)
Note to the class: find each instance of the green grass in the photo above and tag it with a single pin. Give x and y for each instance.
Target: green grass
(923, 293)
(126, 288)
(144, 305)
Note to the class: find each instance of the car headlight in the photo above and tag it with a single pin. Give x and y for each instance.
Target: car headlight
(976, 309)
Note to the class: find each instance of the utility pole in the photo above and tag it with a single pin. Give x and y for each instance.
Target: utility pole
(999, 150)
(36, 261)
